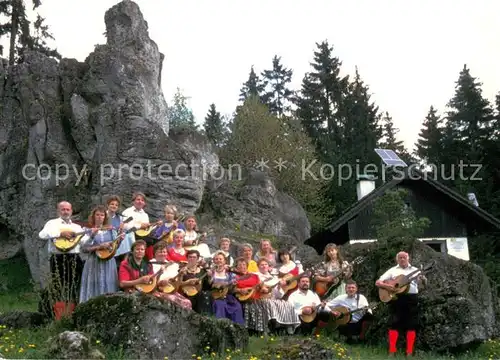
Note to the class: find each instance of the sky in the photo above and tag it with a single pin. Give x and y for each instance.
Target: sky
(408, 53)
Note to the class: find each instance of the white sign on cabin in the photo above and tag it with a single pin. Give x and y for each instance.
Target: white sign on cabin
(457, 247)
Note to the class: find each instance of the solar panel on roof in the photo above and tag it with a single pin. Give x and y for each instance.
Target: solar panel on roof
(390, 158)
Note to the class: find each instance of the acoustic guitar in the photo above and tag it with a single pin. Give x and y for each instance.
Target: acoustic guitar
(151, 285)
(323, 288)
(289, 281)
(109, 253)
(62, 244)
(345, 316)
(401, 284)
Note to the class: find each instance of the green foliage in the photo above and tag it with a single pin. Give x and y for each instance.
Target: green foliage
(394, 220)
(24, 36)
(253, 87)
(179, 115)
(215, 127)
(429, 145)
(277, 95)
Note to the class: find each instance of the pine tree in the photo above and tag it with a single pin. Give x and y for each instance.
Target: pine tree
(390, 141)
(430, 137)
(19, 31)
(252, 87)
(215, 128)
(277, 95)
(179, 114)
(320, 102)
(469, 120)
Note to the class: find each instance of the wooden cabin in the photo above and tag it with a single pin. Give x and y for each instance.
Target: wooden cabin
(453, 217)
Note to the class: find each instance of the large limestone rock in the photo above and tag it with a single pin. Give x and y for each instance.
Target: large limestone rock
(82, 131)
(458, 309)
(247, 207)
(72, 345)
(151, 328)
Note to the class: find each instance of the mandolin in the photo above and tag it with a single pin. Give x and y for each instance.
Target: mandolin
(401, 284)
(62, 244)
(192, 290)
(323, 288)
(141, 233)
(346, 314)
(168, 236)
(220, 290)
(109, 253)
(308, 318)
(149, 287)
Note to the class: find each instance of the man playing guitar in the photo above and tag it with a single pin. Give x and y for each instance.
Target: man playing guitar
(353, 301)
(403, 310)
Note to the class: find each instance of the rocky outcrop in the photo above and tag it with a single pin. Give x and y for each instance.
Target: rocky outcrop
(72, 345)
(246, 206)
(151, 328)
(80, 131)
(458, 309)
(19, 319)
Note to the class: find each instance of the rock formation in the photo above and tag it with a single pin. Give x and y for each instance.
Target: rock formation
(150, 328)
(80, 131)
(458, 309)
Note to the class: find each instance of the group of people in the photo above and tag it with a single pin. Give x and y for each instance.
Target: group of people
(266, 292)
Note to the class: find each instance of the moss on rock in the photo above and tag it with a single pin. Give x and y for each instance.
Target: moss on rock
(148, 327)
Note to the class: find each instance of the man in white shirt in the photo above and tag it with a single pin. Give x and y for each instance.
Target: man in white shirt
(305, 302)
(65, 267)
(141, 221)
(404, 310)
(353, 300)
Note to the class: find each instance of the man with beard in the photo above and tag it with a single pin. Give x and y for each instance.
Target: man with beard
(65, 267)
(307, 304)
(352, 300)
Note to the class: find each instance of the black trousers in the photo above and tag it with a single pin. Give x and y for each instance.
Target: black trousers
(307, 328)
(354, 328)
(404, 313)
(66, 276)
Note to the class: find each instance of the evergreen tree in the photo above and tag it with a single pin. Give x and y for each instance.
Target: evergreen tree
(320, 102)
(469, 121)
(429, 142)
(252, 87)
(179, 114)
(277, 95)
(215, 128)
(19, 30)
(389, 136)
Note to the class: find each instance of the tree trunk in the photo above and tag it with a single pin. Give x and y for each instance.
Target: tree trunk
(13, 30)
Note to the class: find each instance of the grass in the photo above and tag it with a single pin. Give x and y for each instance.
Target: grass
(16, 293)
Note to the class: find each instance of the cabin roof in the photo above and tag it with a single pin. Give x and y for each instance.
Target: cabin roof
(473, 216)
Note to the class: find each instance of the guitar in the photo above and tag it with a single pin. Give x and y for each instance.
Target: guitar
(109, 253)
(323, 288)
(168, 236)
(151, 285)
(288, 281)
(401, 284)
(346, 314)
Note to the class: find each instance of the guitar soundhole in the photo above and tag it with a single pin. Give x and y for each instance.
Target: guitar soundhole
(396, 285)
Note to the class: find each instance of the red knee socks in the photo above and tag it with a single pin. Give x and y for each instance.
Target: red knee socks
(410, 341)
(393, 339)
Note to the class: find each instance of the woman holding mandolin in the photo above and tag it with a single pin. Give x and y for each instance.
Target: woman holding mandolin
(224, 305)
(99, 276)
(165, 232)
(135, 269)
(193, 283)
